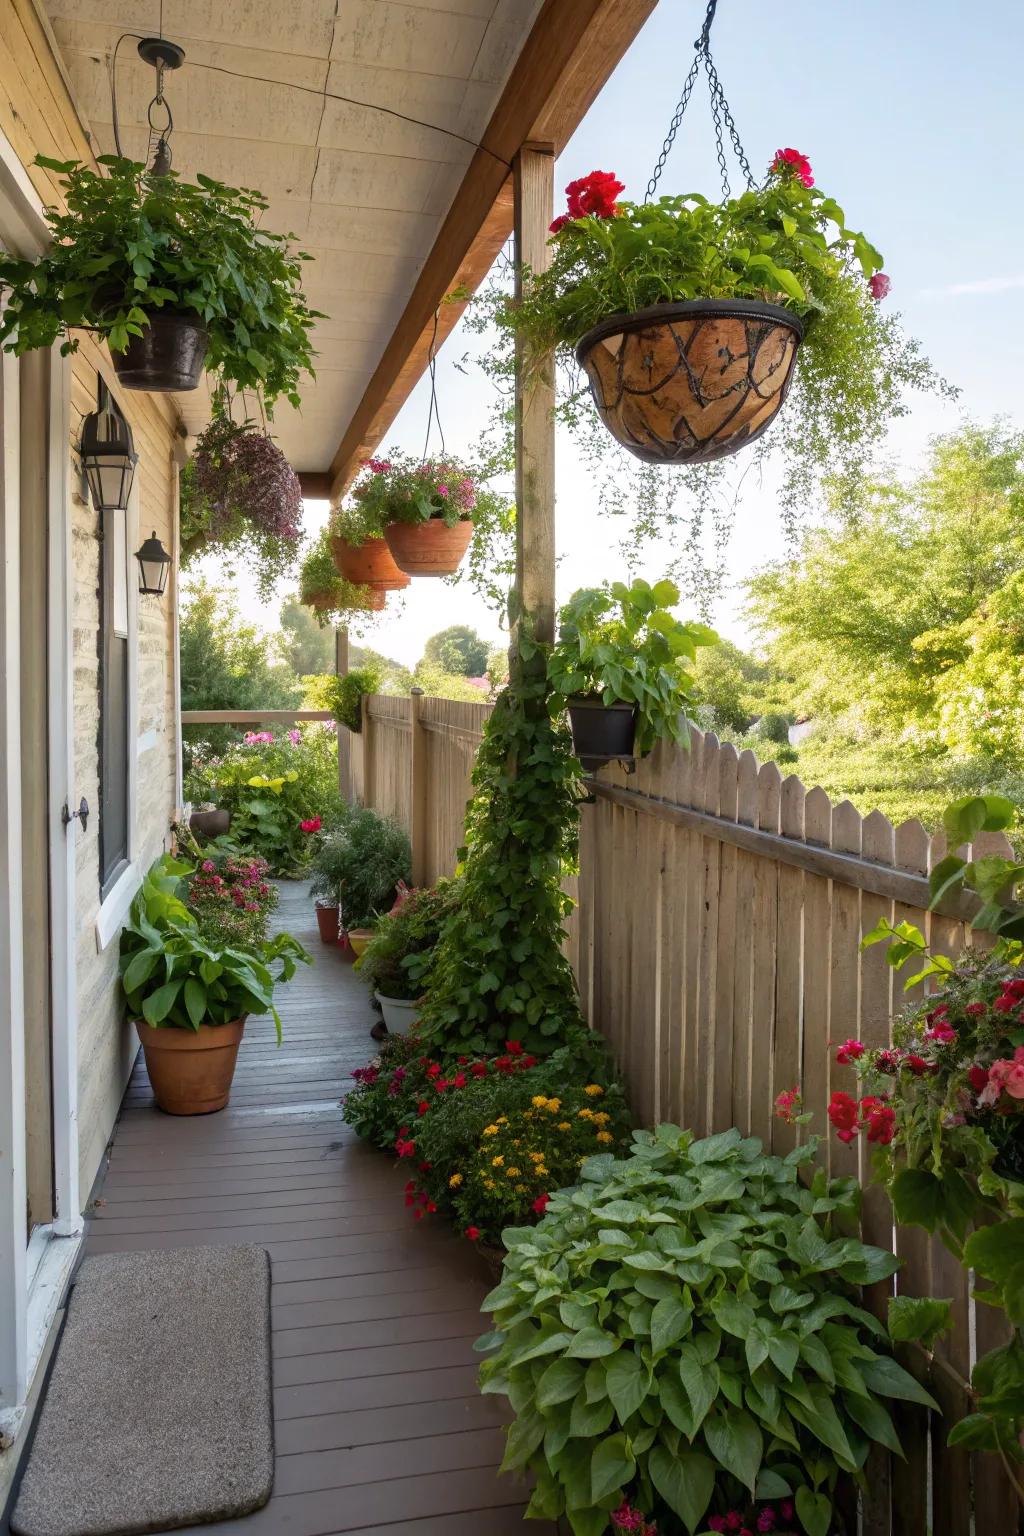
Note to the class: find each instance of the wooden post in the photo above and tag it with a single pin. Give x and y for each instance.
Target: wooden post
(534, 180)
(418, 830)
(369, 788)
(344, 739)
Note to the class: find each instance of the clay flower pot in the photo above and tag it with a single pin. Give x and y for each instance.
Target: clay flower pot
(210, 823)
(368, 564)
(168, 355)
(431, 548)
(601, 733)
(320, 601)
(327, 922)
(690, 382)
(358, 938)
(191, 1070)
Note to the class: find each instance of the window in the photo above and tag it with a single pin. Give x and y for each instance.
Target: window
(114, 699)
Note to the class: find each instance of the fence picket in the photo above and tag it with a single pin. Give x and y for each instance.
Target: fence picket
(744, 991)
(693, 864)
(787, 1047)
(726, 943)
(765, 939)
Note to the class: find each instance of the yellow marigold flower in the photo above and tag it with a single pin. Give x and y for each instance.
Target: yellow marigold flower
(585, 1114)
(605, 1136)
(490, 1130)
(503, 1119)
(538, 1157)
(602, 1118)
(538, 1101)
(553, 1106)
(593, 1090)
(455, 1181)
(521, 1189)
(540, 1171)
(497, 1162)
(565, 1125)
(513, 1173)
(489, 1184)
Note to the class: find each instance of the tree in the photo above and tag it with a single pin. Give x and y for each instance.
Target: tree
(458, 649)
(731, 683)
(304, 646)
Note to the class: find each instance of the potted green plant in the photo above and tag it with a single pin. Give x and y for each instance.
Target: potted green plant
(692, 318)
(240, 496)
(360, 551)
(343, 696)
(189, 996)
(619, 666)
(174, 276)
(323, 588)
(358, 867)
(424, 509)
(395, 961)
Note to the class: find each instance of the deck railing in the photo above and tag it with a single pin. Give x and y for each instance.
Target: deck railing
(716, 942)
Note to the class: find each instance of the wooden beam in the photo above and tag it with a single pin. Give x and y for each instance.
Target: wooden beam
(315, 484)
(534, 176)
(344, 737)
(572, 49)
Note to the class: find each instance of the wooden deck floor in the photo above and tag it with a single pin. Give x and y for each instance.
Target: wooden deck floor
(379, 1425)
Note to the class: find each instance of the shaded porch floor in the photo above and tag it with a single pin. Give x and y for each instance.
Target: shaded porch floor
(379, 1426)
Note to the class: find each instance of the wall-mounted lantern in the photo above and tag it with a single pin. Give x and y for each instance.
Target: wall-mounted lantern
(154, 565)
(108, 454)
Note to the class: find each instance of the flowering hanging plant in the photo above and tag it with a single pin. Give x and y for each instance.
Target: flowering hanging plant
(323, 588)
(398, 489)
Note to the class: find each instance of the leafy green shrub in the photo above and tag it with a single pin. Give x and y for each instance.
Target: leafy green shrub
(683, 1331)
(343, 696)
(623, 645)
(772, 727)
(323, 588)
(131, 243)
(398, 957)
(358, 867)
(172, 976)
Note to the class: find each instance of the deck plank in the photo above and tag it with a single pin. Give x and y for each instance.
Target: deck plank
(379, 1427)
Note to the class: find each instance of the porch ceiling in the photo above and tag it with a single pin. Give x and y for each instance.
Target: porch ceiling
(367, 192)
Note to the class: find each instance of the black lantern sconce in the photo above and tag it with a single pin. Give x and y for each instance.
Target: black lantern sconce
(108, 454)
(154, 565)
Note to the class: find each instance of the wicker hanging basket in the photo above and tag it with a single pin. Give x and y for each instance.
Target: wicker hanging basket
(691, 382)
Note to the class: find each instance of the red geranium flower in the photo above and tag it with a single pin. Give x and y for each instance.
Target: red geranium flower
(879, 1119)
(312, 825)
(513, 1047)
(540, 1205)
(559, 224)
(879, 285)
(594, 194)
(479, 1069)
(422, 1107)
(793, 160)
(849, 1051)
(472, 1233)
(917, 1065)
(842, 1111)
(978, 1078)
(976, 1010)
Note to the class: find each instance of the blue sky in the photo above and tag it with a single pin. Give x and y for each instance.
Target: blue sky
(911, 117)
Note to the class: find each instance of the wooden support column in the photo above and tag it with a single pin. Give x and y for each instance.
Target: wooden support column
(534, 184)
(369, 766)
(418, 830)
(344, 736)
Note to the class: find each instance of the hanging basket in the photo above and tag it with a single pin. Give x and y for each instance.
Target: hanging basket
(169, 355)
(320, 602)
(691, 382)
(368, 565)
(601, 733)
(431, 548)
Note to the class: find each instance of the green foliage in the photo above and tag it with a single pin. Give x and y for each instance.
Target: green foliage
(323, 588)
(343, 696)
(401, 489)
(398, 957)
(623, 644)
(500, 972)
(173, 976)
(358, 866)
(730, 683)
(682, 1331)
(773, 727)
(458, 649)
(231, 898)
(130, 244)
(436, 683)
(306, 646)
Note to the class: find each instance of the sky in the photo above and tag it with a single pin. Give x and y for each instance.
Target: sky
(911, 115)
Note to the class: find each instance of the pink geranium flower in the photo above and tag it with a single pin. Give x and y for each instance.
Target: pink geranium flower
(879, 285)
(312, 825)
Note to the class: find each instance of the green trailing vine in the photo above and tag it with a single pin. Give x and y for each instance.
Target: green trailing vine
(500, 972)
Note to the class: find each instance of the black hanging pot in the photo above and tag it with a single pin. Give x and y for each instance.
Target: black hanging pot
(601, 733)
(169, 355)
(694, 381)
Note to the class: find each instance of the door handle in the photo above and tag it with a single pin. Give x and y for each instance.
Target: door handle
(67, 816)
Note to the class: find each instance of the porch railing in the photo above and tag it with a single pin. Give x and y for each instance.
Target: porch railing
(716, 942)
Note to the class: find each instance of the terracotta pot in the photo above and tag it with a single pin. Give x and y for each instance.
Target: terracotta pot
(690, 382)
(601, 733)
(320, 601)
(210, 823)
(429, 549)
(368, 564)
(191, 1070)
(168, 355)
(327, 922)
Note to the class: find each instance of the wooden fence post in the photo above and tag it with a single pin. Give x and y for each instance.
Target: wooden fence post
(419, 798)
(533, 172)
(344, 737)
(369, 766)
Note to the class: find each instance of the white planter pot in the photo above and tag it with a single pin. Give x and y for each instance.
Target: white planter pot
(399, 1015)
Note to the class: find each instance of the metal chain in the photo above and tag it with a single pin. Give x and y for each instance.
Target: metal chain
(719, 111)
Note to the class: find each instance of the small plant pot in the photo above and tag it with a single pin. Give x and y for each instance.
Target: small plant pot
(210, 823)
(169, 355)
(327, 922)
(429, 549)
(602, 733)
(369, 564)
(347, 952)
(691, 382)
(358, 938)
(191, 1070)
(399, 1014)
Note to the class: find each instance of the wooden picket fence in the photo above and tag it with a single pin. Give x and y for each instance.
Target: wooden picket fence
(716, 941)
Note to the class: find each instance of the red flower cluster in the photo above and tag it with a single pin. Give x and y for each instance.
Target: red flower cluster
(541, 1203)
(848, 1116)
(594, 194)
(787, 1105)
(940, 1031)
(849, 1052)
(626, 1518)
(879, 285)
(1011, 997)
(792, 160)
(312, 825)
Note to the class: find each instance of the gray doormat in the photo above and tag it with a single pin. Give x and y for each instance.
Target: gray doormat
(158, 1411)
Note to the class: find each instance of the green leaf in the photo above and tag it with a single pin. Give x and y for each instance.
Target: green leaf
(885, 1376)
(919, 1318)
(542, 1344)
(873, 1420)
(158, 1005)
(612, 1466)
(140, 969)
(686, 1482)
(628, 1383)
(524, 1436)
(814, 1510)
(195, 1001)
(562, 1380)
(591, 1343)
(670, 1321)
(735, 1442)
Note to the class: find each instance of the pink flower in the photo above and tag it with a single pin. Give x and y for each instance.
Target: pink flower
(888, 1061)
(208, 866)
(787, 1105)
(442, 490)
(786, 1509)
(294, 736)
(793, 161)
(733, 1520)
(312, 825)
(850, 1051)
(559, 224)
(717, 1523)
(941, 1032)
(1007, 1077)
(879, 285)
(766, 1519)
